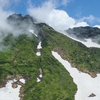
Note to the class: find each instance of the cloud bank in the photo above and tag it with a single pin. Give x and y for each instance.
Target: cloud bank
(47, 12)
(3, 17)
(5, 13)
(58, 19)
(97, 26)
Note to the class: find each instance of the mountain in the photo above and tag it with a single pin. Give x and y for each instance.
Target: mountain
(83, 33)
(22, 58)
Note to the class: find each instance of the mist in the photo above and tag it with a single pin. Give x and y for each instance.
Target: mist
(15, 25)
(89, 36)
(21, 24)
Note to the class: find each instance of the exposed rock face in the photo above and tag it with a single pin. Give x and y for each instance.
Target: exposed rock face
(85, 32)
(22, 23)
(18, 19)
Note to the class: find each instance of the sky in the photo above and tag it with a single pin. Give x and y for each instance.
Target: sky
(59, 14)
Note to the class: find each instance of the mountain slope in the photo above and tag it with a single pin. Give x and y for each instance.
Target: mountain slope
(20, 59)
(85, 59)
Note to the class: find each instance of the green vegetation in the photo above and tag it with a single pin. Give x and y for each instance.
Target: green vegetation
(20, 59)
(85, 59)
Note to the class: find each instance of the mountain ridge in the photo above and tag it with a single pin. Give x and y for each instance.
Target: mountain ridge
(20, 59)
(83, 33)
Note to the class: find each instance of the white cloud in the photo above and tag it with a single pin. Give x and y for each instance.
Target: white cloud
(3, 26)
(7, 3)
(3, 17)
(90, 19)
(5, 12)
(65, 2)
(58, 19)
(97, 26)
(80, 23)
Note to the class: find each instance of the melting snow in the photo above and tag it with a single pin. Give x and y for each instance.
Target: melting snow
(14, 80)
(88, 42)
(85, 83)
(40, 75)
(32, 31)
(38, 53)
(9, 93)
(38, 80)
(39, 45)
(22, 80)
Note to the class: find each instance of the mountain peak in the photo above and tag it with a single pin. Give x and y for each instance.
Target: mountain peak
(19, 18)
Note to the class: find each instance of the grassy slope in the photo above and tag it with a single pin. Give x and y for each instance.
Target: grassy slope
(56, 84)
(20, 59)
(85, 59)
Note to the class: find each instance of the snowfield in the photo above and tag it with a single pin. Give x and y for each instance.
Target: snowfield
(9, 93)
(86, 85)
(88, 42)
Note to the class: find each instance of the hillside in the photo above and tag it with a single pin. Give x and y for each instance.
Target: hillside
(85, 59)
(18, 58)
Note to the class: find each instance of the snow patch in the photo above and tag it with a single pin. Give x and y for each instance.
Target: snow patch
(38, 53)
(40, 75)
(14, 80)
(89, 43)
(38, 80)
(38, 48)
(10, 93)
(22, 81)
(85, 83)
(39, 45)
(32, 31)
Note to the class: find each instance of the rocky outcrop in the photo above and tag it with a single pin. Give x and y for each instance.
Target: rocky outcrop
(83, 33)
(18, 19)
(92, 95)
(21, 24)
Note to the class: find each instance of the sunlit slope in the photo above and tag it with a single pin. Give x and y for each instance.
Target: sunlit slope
(85, 59)
(20, 59)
